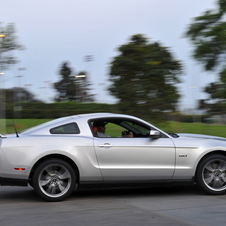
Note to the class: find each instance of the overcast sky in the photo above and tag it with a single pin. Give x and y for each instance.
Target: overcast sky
(54, 31)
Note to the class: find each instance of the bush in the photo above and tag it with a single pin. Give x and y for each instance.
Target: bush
(56, 110)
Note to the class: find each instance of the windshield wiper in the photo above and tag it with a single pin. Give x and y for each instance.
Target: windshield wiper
(174, 135)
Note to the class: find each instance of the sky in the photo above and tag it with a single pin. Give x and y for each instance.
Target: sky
(56, 31)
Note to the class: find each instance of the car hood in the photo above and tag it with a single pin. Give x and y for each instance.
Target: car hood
(201, 136)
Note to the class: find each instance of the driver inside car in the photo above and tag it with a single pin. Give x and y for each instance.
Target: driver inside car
(99, 128)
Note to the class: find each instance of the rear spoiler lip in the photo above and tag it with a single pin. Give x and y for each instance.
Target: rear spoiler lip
(2, 136)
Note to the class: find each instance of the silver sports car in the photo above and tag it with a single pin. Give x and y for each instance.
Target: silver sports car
(104, 149)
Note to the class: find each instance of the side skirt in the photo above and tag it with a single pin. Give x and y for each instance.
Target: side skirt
(113, 184)
(13, 182)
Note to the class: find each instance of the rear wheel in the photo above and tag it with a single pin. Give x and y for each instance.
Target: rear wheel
(54, 180)
(211, 175)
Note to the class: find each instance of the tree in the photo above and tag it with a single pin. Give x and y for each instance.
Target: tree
(207, 32)
(72, 88)
(19, 94)
(144, 77)
(8, 44)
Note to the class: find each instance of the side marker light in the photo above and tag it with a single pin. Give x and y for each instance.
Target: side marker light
(20, 169)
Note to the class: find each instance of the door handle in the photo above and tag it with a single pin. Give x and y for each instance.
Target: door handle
(107, 145)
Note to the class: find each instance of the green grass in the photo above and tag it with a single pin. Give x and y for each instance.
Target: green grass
(176, 127)
(198, 128)
(22, 124)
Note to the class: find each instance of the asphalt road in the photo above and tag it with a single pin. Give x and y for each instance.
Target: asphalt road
(20, 206)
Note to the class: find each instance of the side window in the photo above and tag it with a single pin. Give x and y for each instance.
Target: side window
(139, 128)
(71, 128)
(119, 127)
(107, 128)
(114, 130)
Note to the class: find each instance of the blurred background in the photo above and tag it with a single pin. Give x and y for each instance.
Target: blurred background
(163, 61)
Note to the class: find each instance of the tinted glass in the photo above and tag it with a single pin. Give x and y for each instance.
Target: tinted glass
(71, 128)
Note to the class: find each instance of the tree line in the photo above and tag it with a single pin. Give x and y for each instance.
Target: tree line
(144, 75)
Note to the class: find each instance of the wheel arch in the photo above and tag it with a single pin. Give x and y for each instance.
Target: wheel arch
(55, 156)
(217, 152)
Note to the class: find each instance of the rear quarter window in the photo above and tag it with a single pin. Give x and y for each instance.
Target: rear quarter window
(71, 128)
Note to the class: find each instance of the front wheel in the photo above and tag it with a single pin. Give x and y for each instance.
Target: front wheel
(54, 180)
(211, 175)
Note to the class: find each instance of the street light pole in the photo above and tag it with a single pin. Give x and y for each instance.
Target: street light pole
(2, 95)
(26, 95)
(83, 76)
(2, 103)
(18, 107)
(47, 88)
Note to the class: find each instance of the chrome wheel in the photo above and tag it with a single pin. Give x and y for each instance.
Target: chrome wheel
(211, 174)
(214, 175)
(54, 180)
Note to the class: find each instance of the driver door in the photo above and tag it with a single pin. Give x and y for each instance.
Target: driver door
(134, 159)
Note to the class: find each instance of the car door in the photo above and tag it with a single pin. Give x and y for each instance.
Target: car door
(131, 159)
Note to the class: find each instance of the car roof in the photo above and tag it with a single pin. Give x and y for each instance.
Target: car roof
(43, 128)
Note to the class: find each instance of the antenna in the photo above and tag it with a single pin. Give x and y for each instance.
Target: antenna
(17, 135)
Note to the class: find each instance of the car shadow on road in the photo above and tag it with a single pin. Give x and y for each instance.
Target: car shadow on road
(137, 191)
(27, 194)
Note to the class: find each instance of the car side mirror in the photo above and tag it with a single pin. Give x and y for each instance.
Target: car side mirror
(155, 134)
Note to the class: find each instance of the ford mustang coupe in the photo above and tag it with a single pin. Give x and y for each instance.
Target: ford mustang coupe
(64, 154)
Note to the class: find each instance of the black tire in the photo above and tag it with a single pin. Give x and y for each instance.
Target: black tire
(211, 175)
(54, 180)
